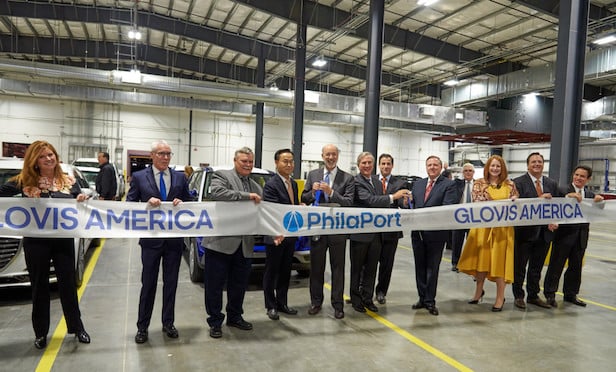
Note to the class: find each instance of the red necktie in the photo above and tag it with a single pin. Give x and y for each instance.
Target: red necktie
(428, 189)
(538, 187)
(384, 182)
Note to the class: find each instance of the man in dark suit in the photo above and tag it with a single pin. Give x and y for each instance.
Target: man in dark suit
(154, 185)
(228, 259)
(279, 250)
(428, 246)
(328, 185)
(390, 185)
(570, 242)
(464, 187)
(106, 181)
(365, 249)
(532, 242)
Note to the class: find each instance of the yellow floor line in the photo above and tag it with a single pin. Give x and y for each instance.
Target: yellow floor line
(53, 347)
(415, 340)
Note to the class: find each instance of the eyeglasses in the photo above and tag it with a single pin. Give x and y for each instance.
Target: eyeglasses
(163, 154)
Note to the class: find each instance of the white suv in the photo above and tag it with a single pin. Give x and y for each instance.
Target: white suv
(13, 271)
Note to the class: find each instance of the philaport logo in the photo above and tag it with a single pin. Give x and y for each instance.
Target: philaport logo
(293, 221)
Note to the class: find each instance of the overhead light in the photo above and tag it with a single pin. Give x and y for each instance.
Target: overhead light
(452, 82)
(605, 40)
(273, 86)
(426, 2)
(531, 94)
(134, 35)
(319, 62)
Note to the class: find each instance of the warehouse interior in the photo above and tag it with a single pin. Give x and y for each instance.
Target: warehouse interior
(211, 76)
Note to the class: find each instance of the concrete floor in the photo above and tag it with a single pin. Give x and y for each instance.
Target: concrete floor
(463, 337)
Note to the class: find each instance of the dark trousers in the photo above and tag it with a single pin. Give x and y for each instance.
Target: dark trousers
(457, 241)
(232, 270)
(386, 265)
(170, 252)
(427, 254)
(278, 273)
(318, 250)
(364, 256)
(533, 253)
(565, 247)
(39, 252)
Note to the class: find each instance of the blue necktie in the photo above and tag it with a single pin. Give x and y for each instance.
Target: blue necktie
(163, 188)
(326, 180)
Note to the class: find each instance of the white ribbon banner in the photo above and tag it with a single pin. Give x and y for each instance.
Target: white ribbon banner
(104, 219)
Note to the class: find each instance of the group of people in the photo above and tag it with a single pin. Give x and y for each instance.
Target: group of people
(500, 254)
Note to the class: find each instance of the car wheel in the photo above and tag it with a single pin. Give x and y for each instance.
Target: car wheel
(80, 264)
(303, 273)
(196, 272)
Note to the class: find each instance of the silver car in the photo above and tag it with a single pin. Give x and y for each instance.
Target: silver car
(13, 271)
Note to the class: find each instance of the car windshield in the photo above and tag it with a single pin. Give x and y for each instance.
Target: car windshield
(90, 176)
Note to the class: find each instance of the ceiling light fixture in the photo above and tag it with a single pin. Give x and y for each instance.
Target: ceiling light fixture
(605, 40)
(452, 82)
(134, 35)
(319, 62)
(426, 2)
(273, 87)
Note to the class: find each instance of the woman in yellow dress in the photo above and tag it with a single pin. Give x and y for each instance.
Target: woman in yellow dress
(488, 252)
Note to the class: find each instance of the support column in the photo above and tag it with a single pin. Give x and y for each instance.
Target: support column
(298, 102)
(373, 79)
(259, 110)
(568, 91)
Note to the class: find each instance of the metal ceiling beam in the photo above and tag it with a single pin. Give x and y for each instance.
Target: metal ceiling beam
(235, 42)
(328, 18)
(552, 7)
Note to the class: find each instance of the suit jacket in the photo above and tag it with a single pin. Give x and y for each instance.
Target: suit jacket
(343, 186)
(526, 188)
(394, 185)
(143, 186)
(460, 185)
(443, 193)
(227, 186)
(565, 231)
(368, 195)
(275, 191)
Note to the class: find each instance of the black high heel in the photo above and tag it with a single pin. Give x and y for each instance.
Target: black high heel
(497, 309)
(475, 302)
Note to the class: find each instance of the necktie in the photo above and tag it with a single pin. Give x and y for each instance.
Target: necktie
(384, 182)
(163, 187)
(290, 191)
(326, 180)
(468, 192)
(538, 187)
(246, 184)
(428, 189)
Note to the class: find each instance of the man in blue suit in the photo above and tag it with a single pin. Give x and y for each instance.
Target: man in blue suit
(433, 191)
(155, 185)
(281, 189)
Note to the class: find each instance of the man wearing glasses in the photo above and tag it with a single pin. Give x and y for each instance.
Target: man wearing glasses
(155, 185)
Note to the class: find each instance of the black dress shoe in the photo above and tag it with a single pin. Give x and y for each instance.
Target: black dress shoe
(314, 309)
(40, 342)
(338, 314)
(141, 336)
(287, 310)
(241, 324)
(551, 301)
(454, 268)
(418, 305)
(519, 303)
(371, 306)
(380, 298)
(171, 331)
(359, 308)
(575, 301)
(215, 332)
(272, 314)
(83, 337)
(539, 302)
(432, 309)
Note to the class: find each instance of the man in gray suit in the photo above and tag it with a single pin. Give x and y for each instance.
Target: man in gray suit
(228, 258)
(326, 186)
